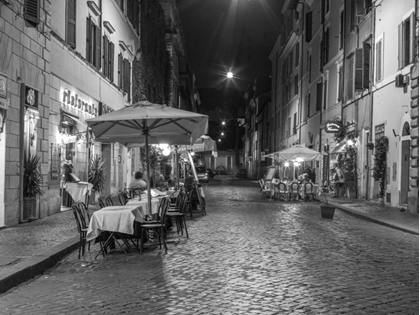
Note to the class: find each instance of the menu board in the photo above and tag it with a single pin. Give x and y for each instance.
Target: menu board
(270, 173)
(55, 161)
(326, 168)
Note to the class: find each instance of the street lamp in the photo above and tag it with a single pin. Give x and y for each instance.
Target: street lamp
(229, 75)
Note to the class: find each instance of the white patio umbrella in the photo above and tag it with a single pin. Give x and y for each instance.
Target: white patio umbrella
(295, 153)
(151, 123)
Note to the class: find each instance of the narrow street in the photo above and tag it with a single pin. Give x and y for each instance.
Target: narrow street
(247, 256)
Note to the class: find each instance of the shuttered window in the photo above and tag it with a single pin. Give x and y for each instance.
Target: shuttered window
(327, 46)
(127, 78)
(378, 58)
(358, 72)
(406, 45)
(318, 96)
(308, 25)
(366, 65)
(120, 71)
(350, 75)
(93, 43)
(111, 48)
(71, 23)
(295, 123)
(133, 13)
(325, 94)
(340, 84)
(308, 105)
(106, 56)
(31, 11)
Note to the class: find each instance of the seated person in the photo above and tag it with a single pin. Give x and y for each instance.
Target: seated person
(159, 180)
(138, 182)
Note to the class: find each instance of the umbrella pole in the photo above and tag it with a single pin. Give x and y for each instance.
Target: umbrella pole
(149, 196)
(176, 167)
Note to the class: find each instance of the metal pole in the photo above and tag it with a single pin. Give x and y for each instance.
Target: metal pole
(149, 196)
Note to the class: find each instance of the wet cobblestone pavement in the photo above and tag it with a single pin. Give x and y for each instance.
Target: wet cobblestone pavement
(247, 256)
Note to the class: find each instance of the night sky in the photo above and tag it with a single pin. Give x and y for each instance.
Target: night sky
(235, 35)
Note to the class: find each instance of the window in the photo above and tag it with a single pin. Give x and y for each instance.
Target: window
(310, 68)
(379, 60)
(341, 41)
(308, 105)
(406, 45)
(31, 11)
(289, 125)
(121, 4)
(295, 123)
(124, 75)
(340, 84)
(327, 46)
(308, 25)
(93, 43)
(325, 93)
(327, 6)
(71, 23)
(120, 71)
(366, 64)
(318, 96)
(296, 54)
(296, 84)
(108, 66)
(349, 83)
(133, 12)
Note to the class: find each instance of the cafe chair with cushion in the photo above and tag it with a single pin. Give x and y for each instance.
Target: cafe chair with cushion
(157, 226)
(179, 214)
(82, 228)
(308, 191)
(109, 201)
(136, 192)
(294, 190)
(102, 202)
(283, 192)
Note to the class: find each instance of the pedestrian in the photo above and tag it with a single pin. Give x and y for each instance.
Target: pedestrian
(338, 182)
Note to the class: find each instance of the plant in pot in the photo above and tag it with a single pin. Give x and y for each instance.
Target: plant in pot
(32, 183)
(96, 176)
(327, 210)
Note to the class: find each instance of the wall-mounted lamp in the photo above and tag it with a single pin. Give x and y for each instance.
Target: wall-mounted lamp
(395, 135)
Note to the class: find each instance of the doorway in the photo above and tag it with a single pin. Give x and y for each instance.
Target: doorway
(405, 171)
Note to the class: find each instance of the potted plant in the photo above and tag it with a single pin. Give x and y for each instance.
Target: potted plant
(327, 210)
(96, 176)
(32, 183)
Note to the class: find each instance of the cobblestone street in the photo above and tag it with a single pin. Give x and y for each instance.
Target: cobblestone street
(247, 256)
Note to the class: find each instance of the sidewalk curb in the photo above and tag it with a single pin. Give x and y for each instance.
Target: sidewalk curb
(367, 217)
(35, 265)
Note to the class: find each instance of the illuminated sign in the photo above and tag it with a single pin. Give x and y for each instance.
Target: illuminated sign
(74, 101)
(31, 97)
(332, 126)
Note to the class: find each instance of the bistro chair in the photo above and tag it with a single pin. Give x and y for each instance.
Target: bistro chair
(123, 198)
(308, 191)
(136, 192)
(275, 188)
(283, 192)
(109, 201)
(265, 191)
(102, 202)
(179, 212)
(294, 190)
(82, 228)
(157, 226)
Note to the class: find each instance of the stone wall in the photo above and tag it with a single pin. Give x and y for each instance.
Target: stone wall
(25, 55)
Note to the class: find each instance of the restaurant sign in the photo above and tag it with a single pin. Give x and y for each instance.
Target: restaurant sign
(73, 100)
(326, 168)
(379, 131)
(333, 126)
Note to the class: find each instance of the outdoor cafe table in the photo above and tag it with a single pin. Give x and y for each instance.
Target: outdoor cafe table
(144, 204)
(114, 219)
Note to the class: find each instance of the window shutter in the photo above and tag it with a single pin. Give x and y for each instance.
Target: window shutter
(318, 96)
(366, 65)
(136, 16)
(327, 46)
(308, 105)
(98, 47)
(358, 76)
(379, 61)
(120, 71)
(129, 81)
(71, 23)
(340, 84)
(31, 11)
(360, 7)
(105, 67)
(308, 24)
(88, 39)
(412, 38)
(111, 61)
(322, 55)
(400, 46)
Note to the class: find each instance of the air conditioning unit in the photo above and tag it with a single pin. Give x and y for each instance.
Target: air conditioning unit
(400, 80)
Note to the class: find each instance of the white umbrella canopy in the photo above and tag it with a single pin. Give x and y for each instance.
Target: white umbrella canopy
(151, 123)
(297, 152)
(202, 144)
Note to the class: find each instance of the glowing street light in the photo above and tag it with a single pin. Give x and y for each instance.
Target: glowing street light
(229, 75)
(223, 133)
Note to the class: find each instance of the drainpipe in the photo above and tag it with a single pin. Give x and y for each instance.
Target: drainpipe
(301, 76)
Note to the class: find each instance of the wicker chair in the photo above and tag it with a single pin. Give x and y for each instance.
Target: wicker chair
(294, 190)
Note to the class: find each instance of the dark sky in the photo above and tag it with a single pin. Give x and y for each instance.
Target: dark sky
(223, 35)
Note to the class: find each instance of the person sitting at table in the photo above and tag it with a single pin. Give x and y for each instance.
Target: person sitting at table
(158, 180)
(138, 181)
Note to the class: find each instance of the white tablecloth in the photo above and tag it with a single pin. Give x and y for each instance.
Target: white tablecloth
(144, 205)
(78, 190)
(114, 219)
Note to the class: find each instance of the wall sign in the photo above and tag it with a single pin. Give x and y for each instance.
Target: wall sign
(3, 86)
(55, 161)
(31, 97)
(326, 168)
(332, 126)
(379, 131)
(73, 100)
